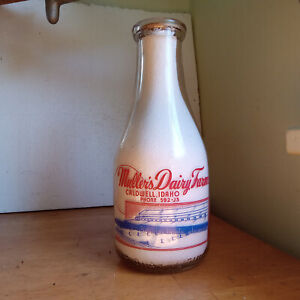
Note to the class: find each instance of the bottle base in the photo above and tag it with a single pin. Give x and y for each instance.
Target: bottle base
(149, 268)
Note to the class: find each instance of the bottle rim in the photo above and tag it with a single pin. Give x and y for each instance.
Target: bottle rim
(157, 25)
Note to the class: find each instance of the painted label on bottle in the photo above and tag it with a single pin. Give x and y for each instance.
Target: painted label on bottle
(156, 214)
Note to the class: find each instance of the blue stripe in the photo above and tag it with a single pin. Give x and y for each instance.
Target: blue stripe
(162, 229)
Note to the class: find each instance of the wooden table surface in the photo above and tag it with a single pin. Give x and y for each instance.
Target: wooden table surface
(70, 255)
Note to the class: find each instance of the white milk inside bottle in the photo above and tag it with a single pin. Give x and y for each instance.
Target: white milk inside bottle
(161, 183)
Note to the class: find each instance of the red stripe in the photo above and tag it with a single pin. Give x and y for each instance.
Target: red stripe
(149, 249)
(166, 204)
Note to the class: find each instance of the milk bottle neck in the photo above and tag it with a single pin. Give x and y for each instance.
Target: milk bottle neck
(158, 68)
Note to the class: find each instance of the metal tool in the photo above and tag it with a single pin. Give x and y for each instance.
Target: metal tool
(52, 8)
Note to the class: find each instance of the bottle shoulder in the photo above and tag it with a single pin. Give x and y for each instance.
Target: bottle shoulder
(162, 138)
(163, 152)
(163, 123)
(150, 160)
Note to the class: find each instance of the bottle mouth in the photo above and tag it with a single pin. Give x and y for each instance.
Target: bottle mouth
(169, 26)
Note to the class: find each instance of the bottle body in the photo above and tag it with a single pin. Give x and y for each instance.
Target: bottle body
(161, 183)
(166, 223)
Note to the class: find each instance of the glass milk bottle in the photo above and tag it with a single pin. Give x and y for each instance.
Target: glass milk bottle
(161, 172)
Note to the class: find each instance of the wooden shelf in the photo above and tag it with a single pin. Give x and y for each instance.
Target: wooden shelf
(70, 255)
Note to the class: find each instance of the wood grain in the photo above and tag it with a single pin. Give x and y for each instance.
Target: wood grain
(70, 255)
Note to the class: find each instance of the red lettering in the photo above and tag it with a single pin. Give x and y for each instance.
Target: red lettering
(161, 175)
(133, 180)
